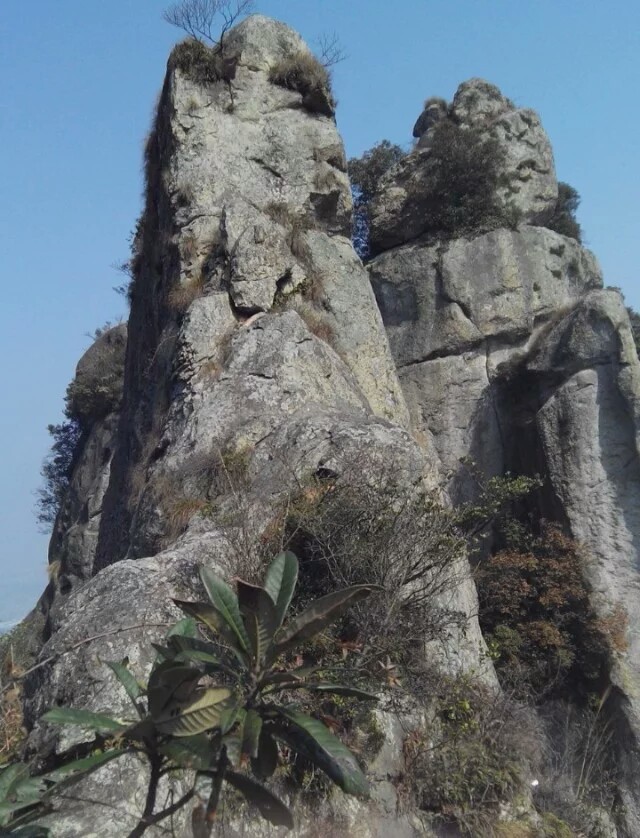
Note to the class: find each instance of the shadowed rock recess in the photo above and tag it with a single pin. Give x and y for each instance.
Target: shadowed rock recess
(258, 357)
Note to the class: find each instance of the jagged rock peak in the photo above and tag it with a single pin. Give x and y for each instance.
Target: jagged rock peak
(262, 41)
(526, 191)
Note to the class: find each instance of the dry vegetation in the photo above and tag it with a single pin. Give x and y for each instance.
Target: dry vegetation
(304, 73)
(12, 732)
(183, 294)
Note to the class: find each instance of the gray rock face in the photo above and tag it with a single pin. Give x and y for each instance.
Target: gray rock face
(399, 212)
(249, 204)
(589, 428)
(458, 311)
(95, 393)
(257, 358)
(509, 353)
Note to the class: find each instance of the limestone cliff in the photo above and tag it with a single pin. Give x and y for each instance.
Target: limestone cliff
(259, 358)
(509, 352)
(256, 359)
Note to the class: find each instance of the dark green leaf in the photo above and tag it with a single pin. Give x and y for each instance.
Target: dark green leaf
(232, 713)
(165, 653)
(316, 742)
(31, 831)
(128, 681)
(225, 600)
(211, 617)
(183, 628)
(8, 811)
(70, 773)
(330, 689)
(196, 752)
(268, 804)
(83, 718)
(170, 682)
(197, 716)
(266, 762)
(251, 733)
(10, 776)
(259, 617)
(280, 582)
(319, 615)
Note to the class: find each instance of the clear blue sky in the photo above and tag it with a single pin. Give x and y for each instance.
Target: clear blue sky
(79, 79)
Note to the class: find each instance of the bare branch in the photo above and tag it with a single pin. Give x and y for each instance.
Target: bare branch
(330, 49)
(201, 19)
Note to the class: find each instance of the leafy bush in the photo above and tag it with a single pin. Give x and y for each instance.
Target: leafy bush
(57, 469)
(304, 73)
(96, 389)
(564, 220)
(463, 172)
(534, 608)
(634, 317)
(365, 173)
(475, 755)
(215, 707)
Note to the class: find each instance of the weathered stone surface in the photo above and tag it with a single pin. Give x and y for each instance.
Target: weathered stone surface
(509, 353)
(95, 396)
(445, 299)
(399, 212)
(96, 389)
(590, 433)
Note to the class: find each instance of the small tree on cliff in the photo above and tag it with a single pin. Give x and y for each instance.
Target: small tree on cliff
(365, 173)
(564, 219)
(201, 19)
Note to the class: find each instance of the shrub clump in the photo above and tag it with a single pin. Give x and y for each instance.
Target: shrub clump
(536, 614)
(365, 174)
(564, 220)
(197, 61)
(94, 393)
(464, 171)
(477, 753)
(634, 317)
(56, 470)
(96, 389)
(368, 526)
(304, 73)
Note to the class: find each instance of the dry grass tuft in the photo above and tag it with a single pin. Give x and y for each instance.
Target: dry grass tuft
(12, 732)
(317, 322)
(200, 63)
(305, 74)
(181, 296)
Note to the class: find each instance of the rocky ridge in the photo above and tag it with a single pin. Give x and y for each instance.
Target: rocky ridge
(246, 373)
(258, 356)
(510, 353)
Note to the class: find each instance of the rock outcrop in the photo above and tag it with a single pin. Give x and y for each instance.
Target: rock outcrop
(256, 359)
(94, 398)
(400, 211)
(510, 353)
(260, 362)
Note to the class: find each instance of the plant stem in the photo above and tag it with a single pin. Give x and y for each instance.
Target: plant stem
(150, 803)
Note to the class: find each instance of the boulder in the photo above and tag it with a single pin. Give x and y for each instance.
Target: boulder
(400, 211)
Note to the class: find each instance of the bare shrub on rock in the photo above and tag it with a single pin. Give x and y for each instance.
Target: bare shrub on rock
(207, 21)
(368, 525)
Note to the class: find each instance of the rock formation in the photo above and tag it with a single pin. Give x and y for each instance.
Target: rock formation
(510, 353)
(257, 357)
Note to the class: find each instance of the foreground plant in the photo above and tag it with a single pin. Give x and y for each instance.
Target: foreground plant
(217, 708)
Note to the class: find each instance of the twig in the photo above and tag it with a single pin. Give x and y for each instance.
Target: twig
(52, 658)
